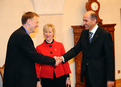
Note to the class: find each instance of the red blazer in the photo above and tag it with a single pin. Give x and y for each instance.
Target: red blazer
(54, 49)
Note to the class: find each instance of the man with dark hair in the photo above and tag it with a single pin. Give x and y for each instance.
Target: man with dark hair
(98, 55)
(21, 55)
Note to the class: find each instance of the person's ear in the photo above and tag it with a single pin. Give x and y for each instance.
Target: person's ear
(28, 21)
(94, 21)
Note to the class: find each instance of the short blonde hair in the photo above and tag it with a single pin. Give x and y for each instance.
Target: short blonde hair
(49, 26)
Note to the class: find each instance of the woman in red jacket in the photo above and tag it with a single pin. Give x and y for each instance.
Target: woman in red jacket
(57, 76)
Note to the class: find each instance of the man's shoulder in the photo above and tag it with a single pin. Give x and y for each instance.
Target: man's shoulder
(18, 33)
(84, 32)
(19, 30)
(103, 30)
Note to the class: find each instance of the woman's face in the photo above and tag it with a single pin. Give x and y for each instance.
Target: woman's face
(48, 34)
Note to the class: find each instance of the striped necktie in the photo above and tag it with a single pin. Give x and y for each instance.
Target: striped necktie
(90, 37)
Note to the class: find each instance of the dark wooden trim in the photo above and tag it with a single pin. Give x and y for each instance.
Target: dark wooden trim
(118, 83)
(1, 72)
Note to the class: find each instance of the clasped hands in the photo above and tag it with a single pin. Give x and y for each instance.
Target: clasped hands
(58, 60)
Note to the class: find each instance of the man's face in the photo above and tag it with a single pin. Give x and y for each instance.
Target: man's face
(33, 24)
(88, 22)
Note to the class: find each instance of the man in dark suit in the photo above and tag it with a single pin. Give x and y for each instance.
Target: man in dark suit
(21, 55)
(98, 54)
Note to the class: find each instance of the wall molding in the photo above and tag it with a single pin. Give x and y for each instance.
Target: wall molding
(48, 7)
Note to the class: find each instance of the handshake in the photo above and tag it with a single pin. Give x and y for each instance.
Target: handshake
(58, 60)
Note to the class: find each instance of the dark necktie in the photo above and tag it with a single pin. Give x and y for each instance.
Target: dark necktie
(90, 37)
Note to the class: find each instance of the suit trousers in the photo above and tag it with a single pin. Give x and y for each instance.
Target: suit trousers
(87, 80)
(55, 82)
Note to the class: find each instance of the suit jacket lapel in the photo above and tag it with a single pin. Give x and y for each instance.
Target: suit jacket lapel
(96, 35)
(86, 40)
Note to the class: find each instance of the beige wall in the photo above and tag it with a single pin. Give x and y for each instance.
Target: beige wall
(73, 10)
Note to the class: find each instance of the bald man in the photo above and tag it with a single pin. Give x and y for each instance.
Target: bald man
(98, 55)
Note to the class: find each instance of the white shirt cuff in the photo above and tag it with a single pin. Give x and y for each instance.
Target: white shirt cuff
(63, 59)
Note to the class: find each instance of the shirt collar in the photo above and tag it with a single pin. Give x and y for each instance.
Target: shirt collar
(94, 29)
(26, 30)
